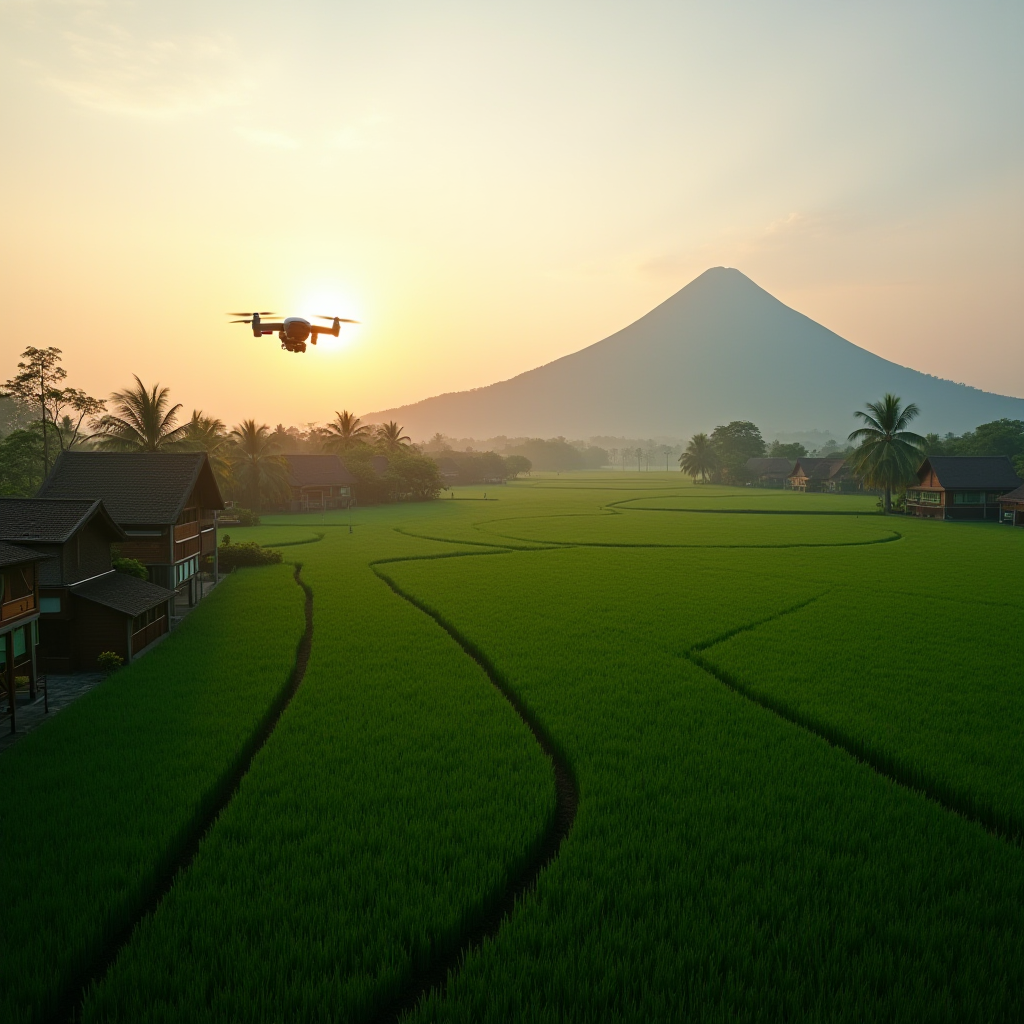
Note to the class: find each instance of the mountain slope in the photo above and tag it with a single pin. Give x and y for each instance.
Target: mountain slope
(720, 349)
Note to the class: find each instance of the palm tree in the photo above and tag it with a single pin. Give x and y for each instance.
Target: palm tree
(261, 472)
(888, 454)
(208, 434)
(346, 432)
(144, 421)
(699, 459)
(391, 438)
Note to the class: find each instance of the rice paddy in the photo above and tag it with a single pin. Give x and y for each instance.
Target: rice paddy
(794, 729)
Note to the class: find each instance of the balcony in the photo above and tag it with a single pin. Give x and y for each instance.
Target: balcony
(18, 607)
(185, 531)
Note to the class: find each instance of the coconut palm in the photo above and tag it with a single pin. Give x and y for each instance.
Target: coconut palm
(143, 421)
(260, 470)
(699, 459)
(888, 455)
(390, 437)
(346, 432)
(208, 434)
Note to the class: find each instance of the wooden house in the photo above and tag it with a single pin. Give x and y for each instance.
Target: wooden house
(1012, 507)
(85, 607)
(814, 474)
(318, 482)
(963, 487)
(19, 617)
(165, 503)
(770, 472)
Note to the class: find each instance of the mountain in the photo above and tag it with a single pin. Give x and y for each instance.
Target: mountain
(719, 349)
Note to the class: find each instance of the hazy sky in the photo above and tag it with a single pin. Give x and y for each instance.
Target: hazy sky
(490, 186)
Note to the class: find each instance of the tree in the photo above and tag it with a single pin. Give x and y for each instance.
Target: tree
(144, 421)
(734, 443)
(778, 450)
(699, 459)
(208, 434)
(516, 464)
(21, 463)
(346, 432)
(390, 438)
(888, 455)
(439, 443)
(261, 471)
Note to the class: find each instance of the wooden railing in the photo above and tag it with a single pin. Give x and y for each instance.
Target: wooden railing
(18, 607)
(186, 530)
(145, 636)
(186, 547)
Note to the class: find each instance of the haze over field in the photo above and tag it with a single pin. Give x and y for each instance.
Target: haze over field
(719, 349)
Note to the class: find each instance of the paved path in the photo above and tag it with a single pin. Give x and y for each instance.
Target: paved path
(63, 690)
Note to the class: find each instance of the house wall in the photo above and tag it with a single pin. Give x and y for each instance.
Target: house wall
(86, 554)
(148, 550)
(96, 629)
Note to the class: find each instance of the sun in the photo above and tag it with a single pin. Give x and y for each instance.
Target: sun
(327, 301)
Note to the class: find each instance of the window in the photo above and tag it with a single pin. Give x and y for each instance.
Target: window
(19, 642)
(49, 605)
(968, 498)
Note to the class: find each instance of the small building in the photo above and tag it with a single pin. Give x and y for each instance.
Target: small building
(166, 503)
(19, 617)
(814, 474)
(1012, 507)
(85, 607)
(770, 472)
(961, 487)
(318, 482)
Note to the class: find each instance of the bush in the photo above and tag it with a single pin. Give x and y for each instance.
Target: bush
(408, 476)
(109, 661)
(130, 567)
(246, 517)
(245, 555)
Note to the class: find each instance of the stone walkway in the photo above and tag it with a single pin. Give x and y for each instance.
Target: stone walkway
(63, 690)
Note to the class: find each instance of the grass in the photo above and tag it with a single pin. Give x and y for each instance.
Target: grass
(96, 805)
(782, 712)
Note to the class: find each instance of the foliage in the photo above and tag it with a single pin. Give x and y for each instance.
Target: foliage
(245, 555)
(208, 434)
(778, 450)
(734, 443)
(21, 463)
(99, 802)
(472, 467)
(700, 458)
(144, 421)
(516, 464)
(130, 567)
(245, 516)
(260, 470)
(346, 432)
(555, 455)
(1000, 437)
(389, 438)
(405, 476)
(888, 454)
(109, 661)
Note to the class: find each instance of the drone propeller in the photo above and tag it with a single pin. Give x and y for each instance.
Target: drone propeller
(261, 312)
(320, 316)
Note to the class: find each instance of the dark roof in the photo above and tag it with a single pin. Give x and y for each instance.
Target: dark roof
(984, 472)
(311, 470)
(771, 466)
(11, 554)
(1015, 495)
(136, 487)
(817, 469)
(126, 594)
(51, 520)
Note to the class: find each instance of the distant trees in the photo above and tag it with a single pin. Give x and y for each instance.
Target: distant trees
(1000, 437)
(390, 438)
(256, 464)
(556, 455)
(778, 450)
(144, 421)
(516, 464)
(345, 432)
(699, 459)
(734, 443)
(208, 434)
(887, 455)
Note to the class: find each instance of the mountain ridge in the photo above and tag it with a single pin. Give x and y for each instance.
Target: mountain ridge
(720, 348)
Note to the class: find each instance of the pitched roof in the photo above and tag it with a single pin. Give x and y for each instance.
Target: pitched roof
(1014, 495)
(313, 470)
(135, 487)
(817, 468)
(984, 472)
(126, 594)
(771, 466)
(11, 554)
(51, 520)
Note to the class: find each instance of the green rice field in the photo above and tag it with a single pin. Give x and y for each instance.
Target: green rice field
(603, 746)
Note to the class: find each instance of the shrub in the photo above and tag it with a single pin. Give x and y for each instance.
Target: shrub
(246, 554)
(109, 661)
(246, 517)
(131, 567)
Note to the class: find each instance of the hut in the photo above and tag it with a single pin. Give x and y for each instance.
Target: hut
(961, 487)
(1012, 507)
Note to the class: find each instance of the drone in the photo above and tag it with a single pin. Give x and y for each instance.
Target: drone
(293, 330)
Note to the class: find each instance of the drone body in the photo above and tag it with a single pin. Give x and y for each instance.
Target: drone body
(293, 330)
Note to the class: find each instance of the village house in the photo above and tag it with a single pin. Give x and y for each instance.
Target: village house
(318, 482)
(961, 487)
(19, 616)
(85, 607)
(770, 472)
(1012, 506)
(816, 474)
(166, 504)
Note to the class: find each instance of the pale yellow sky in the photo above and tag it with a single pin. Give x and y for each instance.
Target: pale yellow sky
(489, 187)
